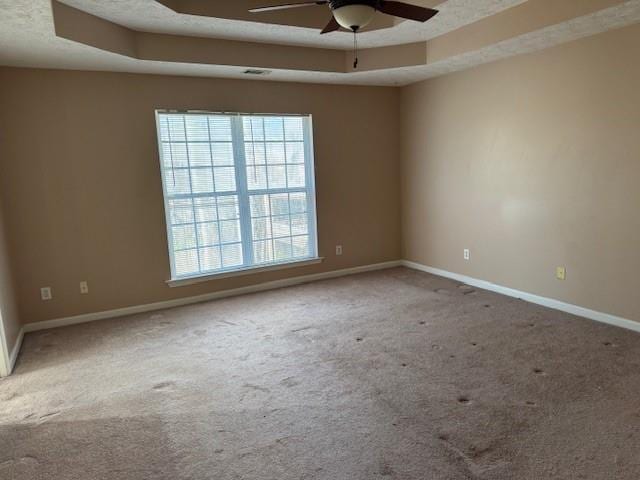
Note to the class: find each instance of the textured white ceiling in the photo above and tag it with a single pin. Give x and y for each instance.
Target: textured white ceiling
(619, 16)
(27, 39)
(151, 16)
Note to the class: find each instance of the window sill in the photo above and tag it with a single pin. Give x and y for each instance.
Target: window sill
(180, 282)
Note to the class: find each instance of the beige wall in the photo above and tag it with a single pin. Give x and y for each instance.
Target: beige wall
(9, 321)
(532, 163)
(79, 167)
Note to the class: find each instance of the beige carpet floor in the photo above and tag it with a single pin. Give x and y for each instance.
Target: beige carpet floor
(387, 375)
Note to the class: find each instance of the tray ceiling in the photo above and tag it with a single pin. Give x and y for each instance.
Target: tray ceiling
(154, 16)
(147, 36)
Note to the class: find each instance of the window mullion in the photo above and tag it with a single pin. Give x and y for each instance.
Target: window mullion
(310, 178)
(193, 209)
(167, 209)
(242, 189)
(213, 178)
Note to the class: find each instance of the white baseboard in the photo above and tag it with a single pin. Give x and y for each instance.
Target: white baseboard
(286, 282)
(120, 312)
(13, 356)
(4, 358)
(529, 297)
(8, 359)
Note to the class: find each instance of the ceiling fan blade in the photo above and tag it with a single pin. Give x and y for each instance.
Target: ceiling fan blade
(285, 6)
(332, 26)
(405, 10)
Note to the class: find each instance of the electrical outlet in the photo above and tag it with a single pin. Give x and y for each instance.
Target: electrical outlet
(561, 273)
(45, 293)
(467, 254)
(338, 249)
(84, 287)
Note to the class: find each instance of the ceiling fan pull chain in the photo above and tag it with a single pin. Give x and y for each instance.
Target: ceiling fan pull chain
(355, 49)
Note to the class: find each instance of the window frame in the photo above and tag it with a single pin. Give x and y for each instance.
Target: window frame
(243, 193)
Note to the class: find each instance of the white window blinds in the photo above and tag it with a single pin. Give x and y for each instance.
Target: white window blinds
(238, 190)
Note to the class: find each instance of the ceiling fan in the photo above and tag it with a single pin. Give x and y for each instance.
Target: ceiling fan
(357, 14)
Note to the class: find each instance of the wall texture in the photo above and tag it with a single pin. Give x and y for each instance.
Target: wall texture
(531, 163)
(79, 167)
(9, 321)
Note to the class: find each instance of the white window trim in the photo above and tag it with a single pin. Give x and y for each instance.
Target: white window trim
(207, 277)
(241, 191)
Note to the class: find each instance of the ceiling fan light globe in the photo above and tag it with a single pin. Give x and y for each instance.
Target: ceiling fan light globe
(354, 17)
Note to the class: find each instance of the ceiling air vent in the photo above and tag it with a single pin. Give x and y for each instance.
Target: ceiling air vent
(257, 72)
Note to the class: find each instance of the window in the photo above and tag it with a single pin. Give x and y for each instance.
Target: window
(238, 191)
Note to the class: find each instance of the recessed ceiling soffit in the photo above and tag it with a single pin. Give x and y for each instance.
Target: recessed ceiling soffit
(102, 33)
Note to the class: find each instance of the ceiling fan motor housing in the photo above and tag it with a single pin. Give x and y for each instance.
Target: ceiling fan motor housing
(335, 4)
(354, 14)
